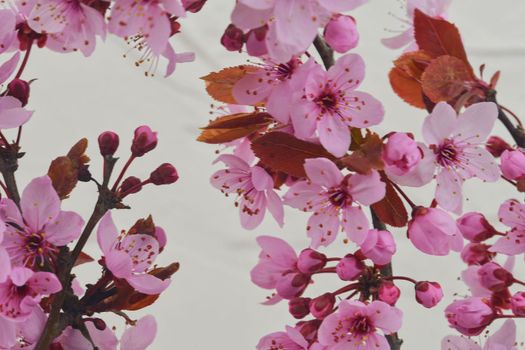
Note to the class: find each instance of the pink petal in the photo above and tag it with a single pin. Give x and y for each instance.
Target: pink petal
(295, 23)
(9, 212)
(296, 336)
(458, 343)
(476, 123)
(7, 333)
(355, 224)
(512, 214)
(65, 228)
(261, 179)
(367, 189)
(304, 119)
(421, 174)
(504, 338)
(47, 17)
(252, 210)
(5, 264)
(142, 249)
(266, 274)
(513, 243)
(247, 18)
(159, 33)
(105, 339)
(259, 4)
(440, 123)
(301, 194)
(252, 88)
(363, 110)
(482, 164)
(385, 317)
(107, 233)
(12, 114)
(341, 6)
(275, 207)
(348, 71)
(472, 279)
(400, 40)
(232, 161)
(141, 335)
(45, 283)
(148, 284)
(278, 50)
(40, 203)
(8, 67)
(278, 104)
(273, 300)
(174, 7)
(278, 251)
(323, 228)
(323, 172)
(20, 275)
(334, 135)
(449, 191)
(32, 328)
(119, 263)
(377, 342)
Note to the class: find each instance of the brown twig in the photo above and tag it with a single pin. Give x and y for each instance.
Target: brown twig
(516, 132)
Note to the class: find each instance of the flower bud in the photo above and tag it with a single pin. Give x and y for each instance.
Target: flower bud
(341, 33)
(475, 227)
(19, 89)
(299, 307)
(401, 153)
(517, 304)
(292, 285)
(513, 164)
(131, 183)
(496, 146)
(494, 277)
(379, 246)
(165, 174)
(310, 261)
(349, 268)
(233, 38)
(108, 143)
(389, 293)
(428, 294)
(476, 254)
(193, 5)
(470, 316)
(144, 141)
(322, 306)
(256, 41)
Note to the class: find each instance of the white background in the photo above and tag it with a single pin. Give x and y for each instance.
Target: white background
(212, 304)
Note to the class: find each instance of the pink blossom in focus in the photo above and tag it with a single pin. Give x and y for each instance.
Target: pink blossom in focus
(470, 316)
(130, 256)
(34, 234)
(428, 294)
(379, 246)
(503, 339)
(341, 33)
(328, 104)
(475, 227)
(458, 146)
(357, 323)
(494, 277)
(334, 201)
(23, 290)
(513, 164)
(349, 268)
(401, 154)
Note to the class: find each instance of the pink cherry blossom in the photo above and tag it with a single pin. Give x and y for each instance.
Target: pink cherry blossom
(458, 145)
(513, 164)
(428, 294)
(512, 214)
(433, 8)
(475, 227)
(349, 268)
(253, 185)
(334, 200)
(434, 231)
(23, 290)
(140, 336)
(379, 246)
(389, 292)
(328, 104)
(12, 114)
(292, 24)
(341, 33)
(518, 304)
(503, 339)
(292, 339)
(401, 154)
(357, 323)
(35, 232)
(470, 316)
(130, 256)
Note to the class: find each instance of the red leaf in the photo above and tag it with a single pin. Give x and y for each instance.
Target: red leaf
(391, 209)
(219, 84)
(233, 127)
(283, 152)
(367, 157)
(83, 258)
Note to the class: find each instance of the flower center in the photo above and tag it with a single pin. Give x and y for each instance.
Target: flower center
(327, 101)
(447, 153)
(37, 248)
(339, 197)
(361, 325)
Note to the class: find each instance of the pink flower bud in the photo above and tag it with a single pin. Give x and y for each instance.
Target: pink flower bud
(19, 89)
(292, 285)
(299, 307)
(496, 146)
(144, 141)
(256, 41)
(475, 227)
(322, 306)
(108, 143)
(310, 261)
(389, 293)
(513, 164)
(428, 294)
(349, 268)
(470, 316)
(494, 277)
(193, 5)
(517, 304)
(309, 329)
(401, 153)
(476, 254)
(434, 231)
(379, 246)
(341, 33)
(131, 184)
(165, 174)
(233, 38)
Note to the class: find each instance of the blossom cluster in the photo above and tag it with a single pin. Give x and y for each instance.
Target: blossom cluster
(296, 131)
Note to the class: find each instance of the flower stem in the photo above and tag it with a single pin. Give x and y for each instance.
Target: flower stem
(24, 62)
(516, 132)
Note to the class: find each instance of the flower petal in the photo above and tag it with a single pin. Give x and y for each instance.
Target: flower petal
(40, 203)
(107, 233)
(355, 224)
(323, 172)
(148, 284)
(439, 124)
(141, 335)
(65, 228)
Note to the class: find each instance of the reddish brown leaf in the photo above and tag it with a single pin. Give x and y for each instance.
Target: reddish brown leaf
(219, 84)
(391, 209)
(438, 37)
(234, 126)
(64, 175)
(77, 153)
(446, 78)
(83, 258)
(283, 152)
(367, 157)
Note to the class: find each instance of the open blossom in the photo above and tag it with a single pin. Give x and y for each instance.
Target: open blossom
(328, 104)
(355, 325)
(23, 290)
(131, 256)
(255, 188)
(433, 8)
(459, 153)
(292, 24)
(512, 214)
(503, 339)
(334, 200)
(34, 234)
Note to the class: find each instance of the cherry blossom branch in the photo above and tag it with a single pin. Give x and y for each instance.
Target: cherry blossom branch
(25, 60)
(516, 132)
(326, 53)
(8, 166)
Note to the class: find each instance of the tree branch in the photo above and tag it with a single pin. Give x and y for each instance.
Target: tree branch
(516, 132)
